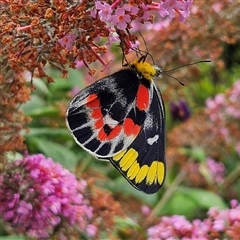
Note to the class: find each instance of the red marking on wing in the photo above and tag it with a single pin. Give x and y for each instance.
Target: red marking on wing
(92, 101)
(136, 130)
(142, 100)
(115, 131)
(99, 124)
(96, 113)
(128, 126)
(102, 136)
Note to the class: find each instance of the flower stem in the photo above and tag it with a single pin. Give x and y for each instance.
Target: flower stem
(170, 191)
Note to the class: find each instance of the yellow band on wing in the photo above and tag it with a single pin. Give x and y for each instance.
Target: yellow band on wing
(128, 162)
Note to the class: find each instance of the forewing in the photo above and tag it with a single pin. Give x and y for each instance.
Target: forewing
(143, 162)
(103, 118)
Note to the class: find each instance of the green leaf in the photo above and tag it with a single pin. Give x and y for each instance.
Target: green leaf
(57, 152)
(206, 173)
(43, 112)
(120, 184)
(204, 199)
(196, 153)
(125, 223)
(179, 204)
(49, 132)
(13, 237)
(190, 201)
(74, 79)
(34, 103)
(41, 87)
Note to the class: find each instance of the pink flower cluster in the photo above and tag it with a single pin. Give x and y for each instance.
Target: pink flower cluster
(224, 110)
(38, 195)
(120, 14)
(126, 15)
(220, 224)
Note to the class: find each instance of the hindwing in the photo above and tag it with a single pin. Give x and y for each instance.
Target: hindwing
(142, 163)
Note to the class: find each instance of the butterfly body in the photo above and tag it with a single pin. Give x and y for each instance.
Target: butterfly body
(121, 118)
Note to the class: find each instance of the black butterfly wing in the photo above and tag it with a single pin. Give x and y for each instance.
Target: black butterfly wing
(143, 162)
(103, 118)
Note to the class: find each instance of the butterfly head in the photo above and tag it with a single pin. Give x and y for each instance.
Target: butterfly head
(145, 69)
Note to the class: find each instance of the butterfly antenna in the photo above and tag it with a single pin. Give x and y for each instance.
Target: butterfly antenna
(186, 65)
(164, 73)
(147, 51)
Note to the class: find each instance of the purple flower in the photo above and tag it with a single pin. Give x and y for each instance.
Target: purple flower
(180, 110)
(37, 195)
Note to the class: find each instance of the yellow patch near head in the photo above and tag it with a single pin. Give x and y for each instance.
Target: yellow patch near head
(145, 69)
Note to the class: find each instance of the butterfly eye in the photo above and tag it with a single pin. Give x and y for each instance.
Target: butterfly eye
(133, 67)
(159, 71)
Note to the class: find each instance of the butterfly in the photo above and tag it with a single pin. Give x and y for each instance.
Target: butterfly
(121, 118)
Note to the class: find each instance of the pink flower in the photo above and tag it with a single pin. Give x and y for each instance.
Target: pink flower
(120, 19)
(113, 38)
(91, 230)
(234, 214)
(131, 7)
(167, 8)
(133, 14)
(216, 169)
(134, 45)
(67, 41)
(171, 7)
(219, 225)
(200, 229)
(217, 7)
(170, 228)
(145, 210)
(224, 222)
(224, 111)
(234, 203)
(37, 195)
(105, 11)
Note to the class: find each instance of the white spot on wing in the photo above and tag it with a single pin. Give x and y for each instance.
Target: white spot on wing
(152, 140)
(109, 121)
